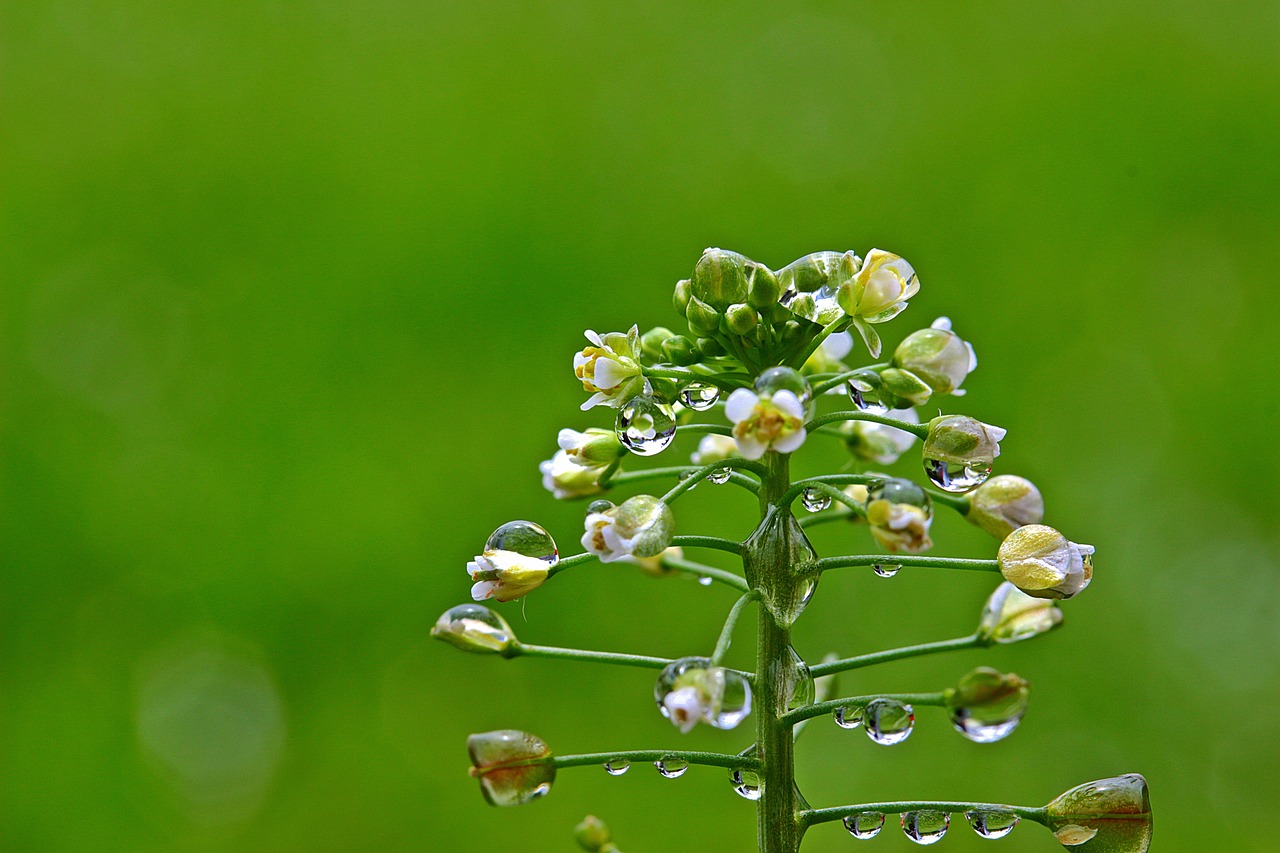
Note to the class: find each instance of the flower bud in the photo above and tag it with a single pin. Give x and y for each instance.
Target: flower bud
(879, 443)
(1043, 563)
(474, 628)
(763, 288)
(703, 319)
(880, 289)
(1003, 504)
(678, 349)
(642, 526)
(565, 478)
(1108, 816)
(959, 451)
(720, 278)
(900, 513)
(1011, 615)
(905, 385)
(592, 835)
(610, 367)
(505, 575)
(740, 319)
(691, 690)
(680, 298)
(710, 348)
(714, 448)
(513, 767)
(592, 446)
(651, 343)
(987, 698)
(938, 356)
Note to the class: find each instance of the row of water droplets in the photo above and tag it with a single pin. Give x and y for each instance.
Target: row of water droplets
(889, 722)
(746, 783)
(928, 826)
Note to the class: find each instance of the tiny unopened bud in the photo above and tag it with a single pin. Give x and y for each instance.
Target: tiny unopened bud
(1004, 503)
(905, 385)
(474, 628)
(513, 767)
(642, 526)
(703, 319)
(880, 443)
(710, 348)
(720, 278)
(938, 356)
(678, 349)
(565, 478)
(763, 288)
(651, 343)
(1109, 816)
(1011, 615)
(592, 834)
(962, 440)
(680, 298)
(1043, 563)
(592, 446)
(741, 319)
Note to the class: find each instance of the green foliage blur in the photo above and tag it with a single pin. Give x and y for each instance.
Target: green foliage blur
(290, 291)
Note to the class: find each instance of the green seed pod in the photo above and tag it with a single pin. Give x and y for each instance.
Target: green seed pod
(702, 317)
(741, 319)
(720, 278)
(679, 350)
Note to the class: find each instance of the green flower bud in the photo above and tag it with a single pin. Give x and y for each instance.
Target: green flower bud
(763, 288)
(962, 440)
(474, 628)
(988, 698)
(703, 319)
(592, 446)
(651, 343)
(592, 834)
(1003, 504)
(1011, 615)
(1108, 816)
(642, 526)
(710, 348)
(680, 299)
(905, 385)
(513, 767)
(720, 278)
(900, 513)
(741, 319)
(1043, 563)
(680, 350)
(938, 356)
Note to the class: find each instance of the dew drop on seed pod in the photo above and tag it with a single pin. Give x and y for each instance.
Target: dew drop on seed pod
(746, 784)
(888, 721)
(617, 766)
(699, 396)
(864, 825)
(983, 730)
(886, 570)
(848, 717)
(720, 476)
(705, 580)
(866, 391)
(954, 477)
(815, 500)
(991, 823)
(646, 425)
(524, 537)
(777, 379)
(671, 768)
(925, 827)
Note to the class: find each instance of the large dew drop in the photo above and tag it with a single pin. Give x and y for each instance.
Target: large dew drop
(925, 827)
(720, 476)
(886, 570)
(617, 766)
(815, 500)
(866, 393)
(991, 823)
(864, 825)
(690, 690)
(954, 477)
(981, 730)
(848, 717)
(524, 537)
(776, 379)
(746, 784)
(671, 768)
(699, 396)
(810, 285)
(646, 425)
(888, 721)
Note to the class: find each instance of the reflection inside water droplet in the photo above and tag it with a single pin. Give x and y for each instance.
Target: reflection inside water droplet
(864, 825)
(886, 570)
(954, 477)
(617, 766)
(991, 823)
(888, 721)
(815, 500)
(720, 476)
(699, 396)
(671, 768)
(646, 425)
(848, 717)
(925, 827)
(746, 783)
(524, 537)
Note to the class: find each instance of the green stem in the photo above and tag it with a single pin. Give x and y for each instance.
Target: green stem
(918, 430)
(923, 562)
(720, 380)
(527, 650)
(726, 633)
(714, 542)
(688, 483)
(718, 429)
(836, 325)
(960, 503)
(840, 378)
(971, 642)
(818, 709)
(813, 816)
(708, 759)
(824, 485)
(828, 517)
(696, 475)
(690, 567)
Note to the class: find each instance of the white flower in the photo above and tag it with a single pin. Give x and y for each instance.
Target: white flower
(610, 367)
(880, 443)
(765, 423)
(505, 575)
(686, 706)
(877, 293)
(900, 527)
(565, 478)
(1011, 615)
(641, 526)
(714, 448)
(1043, 563)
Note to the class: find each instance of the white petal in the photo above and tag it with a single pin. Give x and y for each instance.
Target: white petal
(943, 323)
(839, 345)
(482, 590)
(594, 338)
(610, 373)
(569, 438)
(790, 443)
(740, 405)
(789, 404)
(596, 399)
(749, 448)
(996, 432)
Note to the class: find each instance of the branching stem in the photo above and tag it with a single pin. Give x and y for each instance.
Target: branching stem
(971, 642)
(726, 633)
(818, 709)
(906, 560)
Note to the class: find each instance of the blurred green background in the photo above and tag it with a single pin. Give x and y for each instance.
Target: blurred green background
(290, 295)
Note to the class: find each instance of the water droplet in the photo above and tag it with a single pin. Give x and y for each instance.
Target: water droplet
(691, 690)
(705, 580)
(777, 379)
(599, 506)
(954, 477)
(980, 730)
(746, 784)
(925, 827)
(524, 537)
(802, 686)
(810, 285)
(886, 570)
(646, 425)
(888, 721)
(686, 475)
(720, 476)
(848, 717)
(617, 766)
(815, 500)
(699, 396)
(864, 825)
(867, 393)
(671, 768)
(991, 823)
